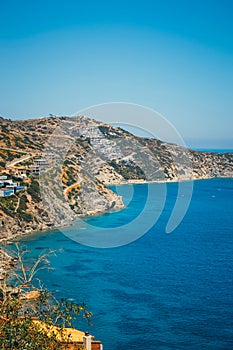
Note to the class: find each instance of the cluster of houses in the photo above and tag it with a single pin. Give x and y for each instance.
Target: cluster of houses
(22, 172)
(8, 187)
(103, 145)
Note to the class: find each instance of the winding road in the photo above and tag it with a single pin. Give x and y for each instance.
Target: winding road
(69, 188)
(19, 160)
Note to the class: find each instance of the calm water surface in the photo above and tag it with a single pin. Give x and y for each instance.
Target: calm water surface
(163, 291)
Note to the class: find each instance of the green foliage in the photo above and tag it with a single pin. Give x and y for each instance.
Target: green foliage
(68, 162)
(9, 202)
(22, 203)
(4, 209)
(4, 128)
(18, 142)
(34, 190)
(15, 178)
(9, 206)
(70, 177)
(23, 334)
(128, 171)
(26, 140)
(37, 323)
(3, 154)
(73, 192)
(25, 216)
(19, 330)
(10, 156)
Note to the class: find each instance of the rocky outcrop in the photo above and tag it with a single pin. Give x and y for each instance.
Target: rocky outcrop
(98, 154)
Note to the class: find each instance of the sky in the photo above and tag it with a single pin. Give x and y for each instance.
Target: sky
(175, 57)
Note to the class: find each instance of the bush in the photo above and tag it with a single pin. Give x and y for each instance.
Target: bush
(25, 216)
(22, 203)
(9, 202)
(18, 327)
(34, 190)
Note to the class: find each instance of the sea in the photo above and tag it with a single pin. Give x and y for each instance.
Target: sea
(161, 291)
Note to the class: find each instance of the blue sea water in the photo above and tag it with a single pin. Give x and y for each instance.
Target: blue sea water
(163, 291)
(226, 150)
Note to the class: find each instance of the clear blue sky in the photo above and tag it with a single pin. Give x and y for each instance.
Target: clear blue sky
(174, 56)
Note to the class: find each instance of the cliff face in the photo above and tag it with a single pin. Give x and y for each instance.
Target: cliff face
(66, 163)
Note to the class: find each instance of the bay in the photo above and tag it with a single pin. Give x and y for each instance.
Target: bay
(162, 291)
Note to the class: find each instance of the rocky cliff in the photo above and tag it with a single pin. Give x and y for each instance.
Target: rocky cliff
(66, 164)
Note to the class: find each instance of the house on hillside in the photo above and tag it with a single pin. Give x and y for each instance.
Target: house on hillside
(8, 187)
(41, 162)
(78, 338)
(38, 165)
(20, 172)
(34, 169)
(75, 338)
(5, 192)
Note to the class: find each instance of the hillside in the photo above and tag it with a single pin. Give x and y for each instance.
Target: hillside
(58, 168)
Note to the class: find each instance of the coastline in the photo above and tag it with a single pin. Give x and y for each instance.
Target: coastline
(142, 182)
(16, 237)
(26, 212)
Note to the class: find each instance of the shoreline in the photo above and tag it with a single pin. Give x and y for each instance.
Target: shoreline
(130, 182)
(142, 182)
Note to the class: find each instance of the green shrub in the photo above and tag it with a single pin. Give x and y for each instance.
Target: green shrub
(25, 216)
(18, 331)
(34, 190)
(22, 203)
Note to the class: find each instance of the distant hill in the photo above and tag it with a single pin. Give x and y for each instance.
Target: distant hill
(67, 163)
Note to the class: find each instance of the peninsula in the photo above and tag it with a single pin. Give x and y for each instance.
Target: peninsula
(55, 169)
